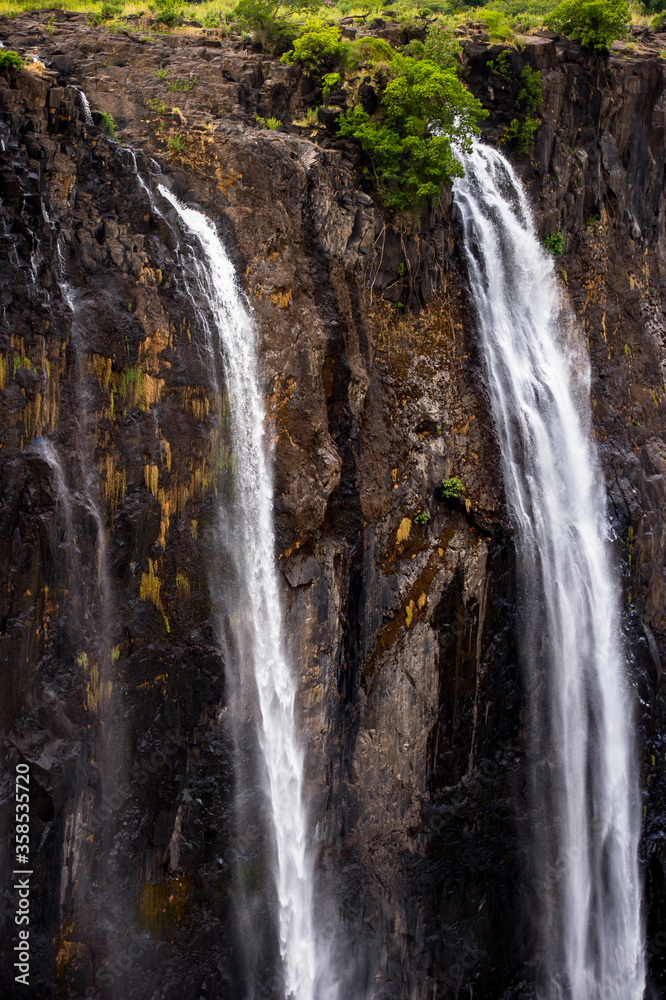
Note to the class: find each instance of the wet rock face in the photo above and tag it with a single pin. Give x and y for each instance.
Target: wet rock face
(600, 144)
(398, 604)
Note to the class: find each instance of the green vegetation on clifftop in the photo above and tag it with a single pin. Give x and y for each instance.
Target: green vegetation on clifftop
(594, 23)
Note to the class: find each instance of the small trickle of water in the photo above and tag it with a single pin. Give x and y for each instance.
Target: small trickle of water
(87, 113)
(45, 215)
(47, 450)
(584, 779)
(258, 631)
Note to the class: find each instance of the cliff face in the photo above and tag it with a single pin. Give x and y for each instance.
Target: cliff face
(402, 629)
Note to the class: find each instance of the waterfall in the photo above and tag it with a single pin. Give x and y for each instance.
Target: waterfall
(257, 639)
(583, 784)
(87, 113)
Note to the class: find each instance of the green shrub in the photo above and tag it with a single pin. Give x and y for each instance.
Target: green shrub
(520, 135)
(367, 52)
(422, 517)
(442, 47)
(415, 49)
(10, 60)
(108, 124)
(309, 120)
(658, 23)
(529, 96)
(212, 19)
(423, 111)
(502, 64)
(318, 45)
(110, 11)
(497, 23)
(166, 11)
(554, 243)
(161, 72)
(266, 19)
(329, 82)
(594, 23)
(450, 489)
(176, 143)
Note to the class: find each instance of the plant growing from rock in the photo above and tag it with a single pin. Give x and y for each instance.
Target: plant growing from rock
(184, 85)
(270, 123)
(108, 124)
(176, 143)
(10, 60)
(422, 518)
(423, 111)
(309, 119)
(329, 82)
(450, 489)
(156, 105)
(502, 64)
(554, 243)
(520, 134)
(161, 72)
(319, 45)
(529, 96)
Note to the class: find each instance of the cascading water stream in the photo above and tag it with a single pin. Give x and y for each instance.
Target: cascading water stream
(87, 113)
(583, 779)
(257, 632)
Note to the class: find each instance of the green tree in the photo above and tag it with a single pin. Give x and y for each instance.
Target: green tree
(424, 113)
(594, 23)
(318, 45)
(442, 47)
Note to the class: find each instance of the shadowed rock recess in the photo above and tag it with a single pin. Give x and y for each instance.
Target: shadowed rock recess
(115, 450)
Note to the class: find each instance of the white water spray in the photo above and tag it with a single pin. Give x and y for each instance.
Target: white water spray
(584, 782)
(258, 635)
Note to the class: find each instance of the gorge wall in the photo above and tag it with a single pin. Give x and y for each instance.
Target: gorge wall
(114, 449)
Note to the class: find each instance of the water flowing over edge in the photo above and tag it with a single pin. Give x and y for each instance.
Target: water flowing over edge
(583, 781)
(258, 635)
